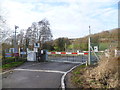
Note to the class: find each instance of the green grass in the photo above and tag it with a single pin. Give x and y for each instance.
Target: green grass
(11, 65)
(76, 73)
(103, 46)
(77, 70)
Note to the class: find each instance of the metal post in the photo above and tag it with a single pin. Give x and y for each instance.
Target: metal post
(73, 47)
(65, 47)
(89, 46)
(95, 53)
(15, 44)
(15, 38)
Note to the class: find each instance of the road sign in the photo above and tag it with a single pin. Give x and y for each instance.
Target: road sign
(16, 54)
(15, 50)
(35, 49)
(36, 45)
(8, 55)
(22, 52)
(95, 48)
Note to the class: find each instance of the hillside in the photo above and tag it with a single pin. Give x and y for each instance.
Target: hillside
(103, 39)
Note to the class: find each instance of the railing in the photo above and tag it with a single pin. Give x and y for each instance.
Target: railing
(67, 56)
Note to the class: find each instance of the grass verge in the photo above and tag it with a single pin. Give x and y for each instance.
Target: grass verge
(77, 78)
(103, 75)
(11, 65)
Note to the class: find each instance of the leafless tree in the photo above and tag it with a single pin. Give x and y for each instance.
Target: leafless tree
(44, 31)
(4, 30)
(39, 32)
(20, 38)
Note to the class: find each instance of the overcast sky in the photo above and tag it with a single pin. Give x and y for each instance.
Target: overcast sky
(68, 18)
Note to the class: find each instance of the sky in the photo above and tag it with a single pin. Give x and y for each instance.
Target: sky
(68, 18)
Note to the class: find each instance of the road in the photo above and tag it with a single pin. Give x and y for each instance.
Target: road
(36, 75)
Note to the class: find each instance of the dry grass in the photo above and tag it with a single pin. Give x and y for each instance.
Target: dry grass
(104, 75)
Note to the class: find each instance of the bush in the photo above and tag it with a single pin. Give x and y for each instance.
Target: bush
(8, 60)
(11, 65)
(12, 59)
(21, 59)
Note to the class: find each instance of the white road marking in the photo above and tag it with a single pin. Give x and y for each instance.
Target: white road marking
(6, 72)
(63, 77)
(53, 71)
(23, 67)
(64, 61)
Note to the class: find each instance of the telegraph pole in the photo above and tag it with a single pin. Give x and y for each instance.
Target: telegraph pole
(15, 43)
(89, 47)
(65, 47)
(73, 47)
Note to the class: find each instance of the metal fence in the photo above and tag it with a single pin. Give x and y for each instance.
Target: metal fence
(68, 58)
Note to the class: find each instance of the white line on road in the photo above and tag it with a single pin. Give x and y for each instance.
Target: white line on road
(6, 72)
(63, 77)
(23, 67)
(52, 71)
(65, 61)
(40, 70)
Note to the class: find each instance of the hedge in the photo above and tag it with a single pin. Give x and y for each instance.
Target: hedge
(12, 59)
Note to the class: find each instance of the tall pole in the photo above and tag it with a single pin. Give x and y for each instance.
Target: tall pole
(73, 47)
(89, 46)
(15, 44)
(15, 38)
(65, 47)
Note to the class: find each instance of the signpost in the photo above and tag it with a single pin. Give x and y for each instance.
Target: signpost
(95, 48)
(23, 53)
(36, 45)
(16, 54)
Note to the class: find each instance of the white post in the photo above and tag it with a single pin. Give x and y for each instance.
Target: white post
(115, 53)
(89, 46)
(95, 54)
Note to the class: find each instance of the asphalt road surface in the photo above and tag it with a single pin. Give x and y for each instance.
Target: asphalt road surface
(36, 75)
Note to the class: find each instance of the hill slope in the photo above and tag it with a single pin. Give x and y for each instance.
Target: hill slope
(104, 40)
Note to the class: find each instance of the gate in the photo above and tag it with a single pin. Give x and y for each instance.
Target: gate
(73, 57)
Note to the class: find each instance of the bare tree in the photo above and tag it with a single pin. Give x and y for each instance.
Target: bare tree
(45, 31)
(4, 30)
(20, 38)
(39, 32)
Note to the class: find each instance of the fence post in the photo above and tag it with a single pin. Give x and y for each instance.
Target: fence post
(115, 53)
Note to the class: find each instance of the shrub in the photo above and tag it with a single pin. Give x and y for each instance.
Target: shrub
(12, 59)
(8, 60)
